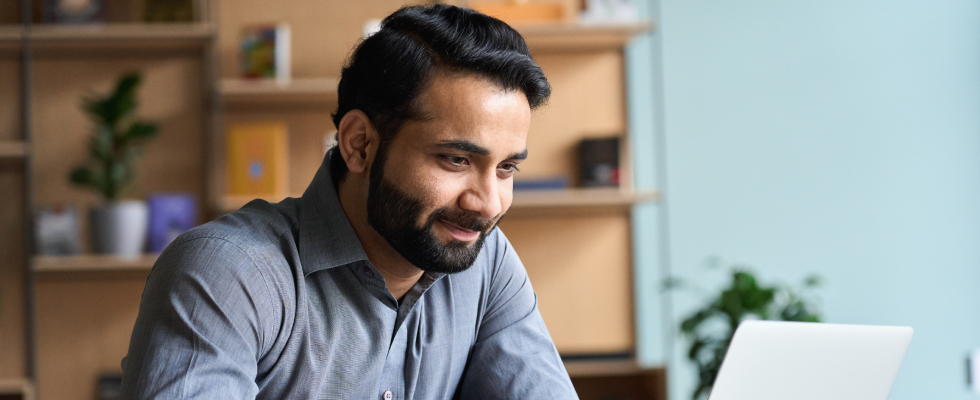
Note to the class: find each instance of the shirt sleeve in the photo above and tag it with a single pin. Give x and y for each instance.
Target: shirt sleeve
(199, 333)
(514, 356)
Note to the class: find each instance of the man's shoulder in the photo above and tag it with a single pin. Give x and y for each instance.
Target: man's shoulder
(259, 233)
(257, 223)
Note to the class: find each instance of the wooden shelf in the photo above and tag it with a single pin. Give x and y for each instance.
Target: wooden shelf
(92, 263)
(17, 387)
(111, 35)
(270, 90)
(547, 202)
(577, 36)
(13, 149)
(527, 202)
(580, 368)
(232, 203)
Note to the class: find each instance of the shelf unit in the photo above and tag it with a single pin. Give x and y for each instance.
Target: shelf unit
(95, 297)
(586, 62)
(303, 94)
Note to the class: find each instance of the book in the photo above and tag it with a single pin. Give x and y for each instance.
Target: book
(257, 159)
(556, 183)
(265, 51)
(170, 215)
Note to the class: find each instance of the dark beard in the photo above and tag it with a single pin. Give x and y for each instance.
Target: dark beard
(393, 214)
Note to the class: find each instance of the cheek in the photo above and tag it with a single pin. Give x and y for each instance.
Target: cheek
(437, 190)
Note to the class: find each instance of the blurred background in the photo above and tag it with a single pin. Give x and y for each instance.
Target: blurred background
(684, 140)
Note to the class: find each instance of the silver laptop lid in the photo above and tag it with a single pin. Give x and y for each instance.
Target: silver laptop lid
(771, 360)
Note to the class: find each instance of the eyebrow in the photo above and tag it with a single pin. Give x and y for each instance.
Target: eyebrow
(470, 147)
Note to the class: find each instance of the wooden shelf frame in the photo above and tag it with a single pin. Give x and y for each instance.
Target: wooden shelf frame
(580, 37)
(92, 263)
(13, 149)
(528, 202)
(271, 90)
(540, 37)
(17, 387)
(126, 35)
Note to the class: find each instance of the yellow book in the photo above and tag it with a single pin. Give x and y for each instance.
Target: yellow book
(257, 159)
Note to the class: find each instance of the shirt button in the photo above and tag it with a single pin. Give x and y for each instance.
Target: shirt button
(387, 395)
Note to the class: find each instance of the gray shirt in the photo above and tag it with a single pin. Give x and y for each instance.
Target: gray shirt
(280, 301)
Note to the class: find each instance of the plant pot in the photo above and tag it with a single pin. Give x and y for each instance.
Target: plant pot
(119, 227)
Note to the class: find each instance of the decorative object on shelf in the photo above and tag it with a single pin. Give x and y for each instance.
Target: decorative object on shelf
(266, 52)
(609, 12)
(170, 215)
(371, 27)
(517, 12)
(74, 11)
(168, 11)
(257, 156)
(110, 387)
(599, 162)
(56, 231)
(117, 227)
(555, 183)
(711, 328)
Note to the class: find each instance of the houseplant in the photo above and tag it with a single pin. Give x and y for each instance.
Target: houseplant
(711, 328)
(117, 226)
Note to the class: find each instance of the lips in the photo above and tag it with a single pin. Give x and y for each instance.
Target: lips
(459, 233)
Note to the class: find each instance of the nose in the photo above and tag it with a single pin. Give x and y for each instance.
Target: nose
(483, 196)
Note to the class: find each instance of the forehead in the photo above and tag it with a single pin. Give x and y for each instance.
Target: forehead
(472, 108)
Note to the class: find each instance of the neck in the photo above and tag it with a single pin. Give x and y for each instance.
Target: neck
(400, 275)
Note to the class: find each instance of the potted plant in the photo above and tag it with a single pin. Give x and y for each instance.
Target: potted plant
(117, 226)
(711, 328)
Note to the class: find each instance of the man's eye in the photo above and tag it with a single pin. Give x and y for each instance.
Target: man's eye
(456, 160)
(509, 168)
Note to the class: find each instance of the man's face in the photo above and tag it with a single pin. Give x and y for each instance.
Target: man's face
(443, 183)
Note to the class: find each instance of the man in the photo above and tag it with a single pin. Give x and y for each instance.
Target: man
(388, 279)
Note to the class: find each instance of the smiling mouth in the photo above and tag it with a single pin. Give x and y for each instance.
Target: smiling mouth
(460, 233)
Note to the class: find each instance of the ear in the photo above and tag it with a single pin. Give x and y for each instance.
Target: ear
(357, 141)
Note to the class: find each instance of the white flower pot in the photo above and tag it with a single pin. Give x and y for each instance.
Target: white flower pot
(119, 227)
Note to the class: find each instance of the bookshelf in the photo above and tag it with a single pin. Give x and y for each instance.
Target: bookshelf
(585, 64)
(96, 297)
(78, 311)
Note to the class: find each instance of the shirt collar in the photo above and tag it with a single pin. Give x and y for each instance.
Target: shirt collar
(326, 237)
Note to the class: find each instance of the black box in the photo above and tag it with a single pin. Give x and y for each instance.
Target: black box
(599, 162)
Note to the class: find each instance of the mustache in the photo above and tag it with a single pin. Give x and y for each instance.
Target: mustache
(464, 219)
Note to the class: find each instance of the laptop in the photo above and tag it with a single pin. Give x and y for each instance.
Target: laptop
(771, 360)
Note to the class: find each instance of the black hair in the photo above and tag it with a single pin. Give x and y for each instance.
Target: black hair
(388, 70)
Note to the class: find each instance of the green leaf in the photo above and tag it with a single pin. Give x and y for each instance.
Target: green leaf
(141, 130)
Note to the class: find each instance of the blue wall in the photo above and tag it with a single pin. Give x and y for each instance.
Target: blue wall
(832, 136)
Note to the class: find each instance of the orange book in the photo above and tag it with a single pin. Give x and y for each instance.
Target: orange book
(257, 159)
